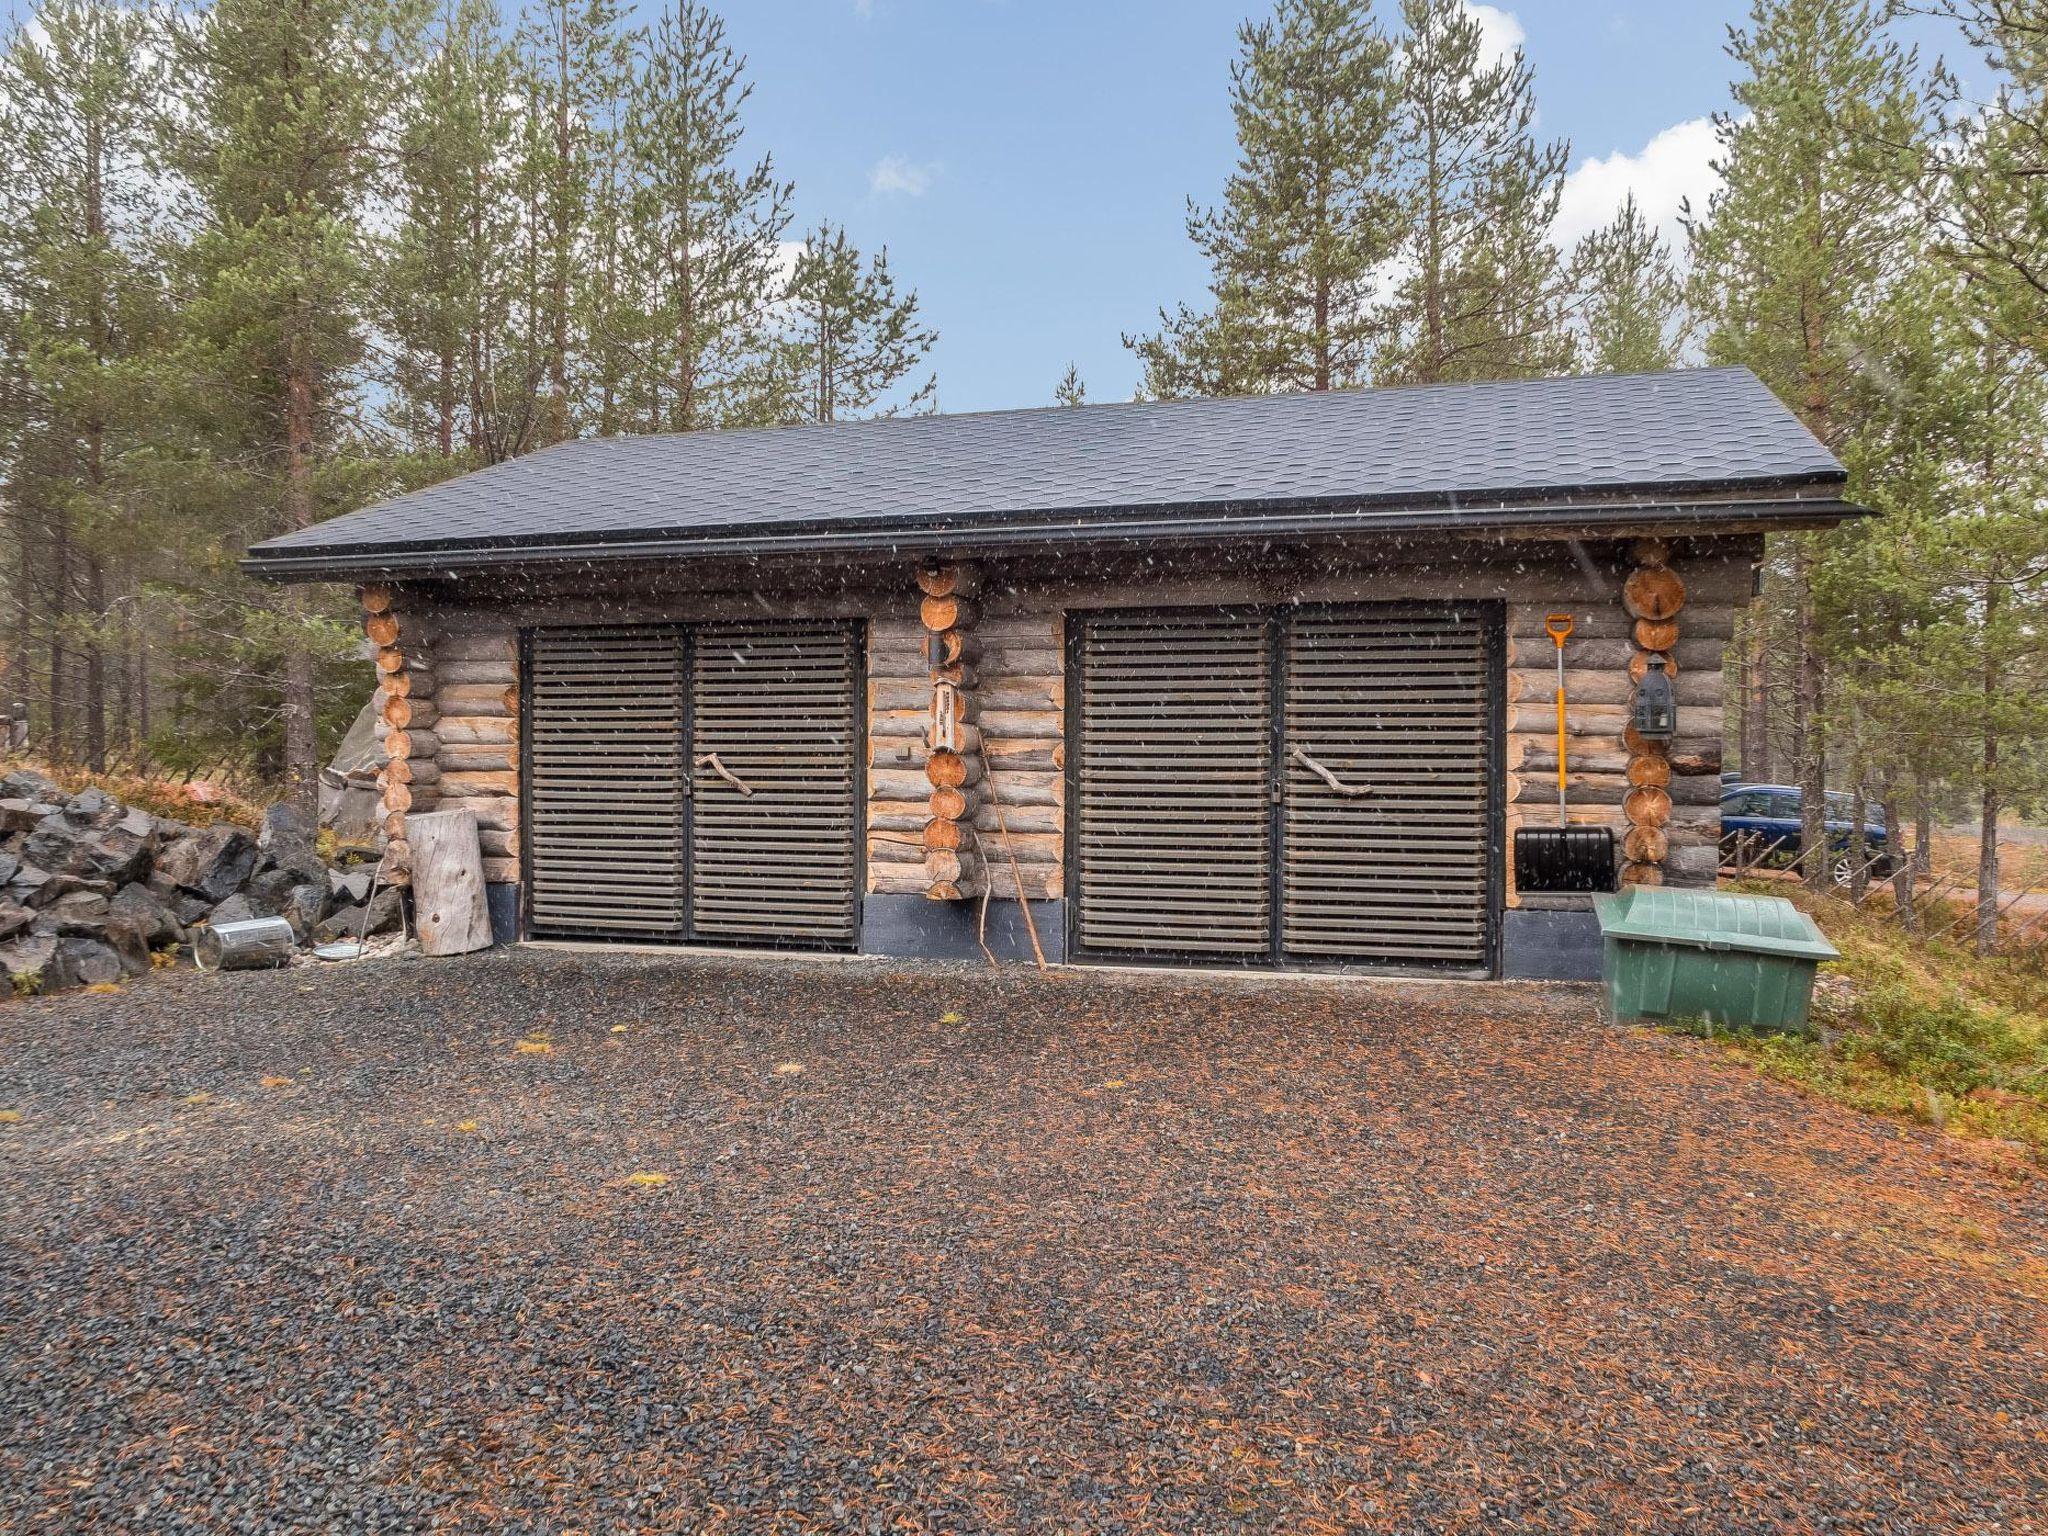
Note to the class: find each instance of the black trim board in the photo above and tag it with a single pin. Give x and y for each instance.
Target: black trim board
(1108, 528)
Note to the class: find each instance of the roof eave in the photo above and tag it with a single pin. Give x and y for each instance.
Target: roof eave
(1809, 502)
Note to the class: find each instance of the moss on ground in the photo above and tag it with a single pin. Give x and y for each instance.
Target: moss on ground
(1930, 1033)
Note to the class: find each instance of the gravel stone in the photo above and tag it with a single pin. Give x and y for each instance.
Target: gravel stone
(928, 1248)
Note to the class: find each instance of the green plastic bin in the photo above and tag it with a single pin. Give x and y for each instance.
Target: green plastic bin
(1745, 962)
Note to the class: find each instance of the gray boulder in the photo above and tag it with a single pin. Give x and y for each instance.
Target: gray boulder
(13, 918)
(286, 844)
(8, 865)
(93, 808)
(350, 922)
(27, 784)
(136, 909)
(189, 909)
(284, 822)
(80, 913)
(350, 886)
(270, 889)
(20, 814)
(25, 961)
(235, 909)
(27, 881)
(116, 848)
(302, 908)
(52, 888)
(84, 962)
(212, 862)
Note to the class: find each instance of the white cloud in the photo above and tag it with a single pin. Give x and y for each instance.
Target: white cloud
(1500, 32)
(864, 9)
(1672, 167)
(894, 174)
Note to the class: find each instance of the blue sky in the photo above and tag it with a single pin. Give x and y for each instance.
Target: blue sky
(1027, 161)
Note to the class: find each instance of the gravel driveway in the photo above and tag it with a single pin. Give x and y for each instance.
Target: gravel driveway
(553, 1242)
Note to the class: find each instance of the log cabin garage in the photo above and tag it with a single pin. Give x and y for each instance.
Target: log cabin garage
(1266, 682)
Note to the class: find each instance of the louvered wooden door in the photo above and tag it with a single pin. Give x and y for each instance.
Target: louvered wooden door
(694, 783)
(1173, 846)
(772, 837)
(605, 782)
(1386, 852)
(1308, 785)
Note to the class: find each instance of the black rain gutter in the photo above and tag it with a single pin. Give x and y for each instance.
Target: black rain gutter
(401, 562)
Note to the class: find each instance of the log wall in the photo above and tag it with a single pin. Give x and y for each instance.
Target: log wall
(462, 736)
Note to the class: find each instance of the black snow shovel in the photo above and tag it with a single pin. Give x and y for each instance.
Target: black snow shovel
(1563, 858)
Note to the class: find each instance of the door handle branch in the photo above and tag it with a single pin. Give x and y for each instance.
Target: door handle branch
(710, 760)
(1328, 777)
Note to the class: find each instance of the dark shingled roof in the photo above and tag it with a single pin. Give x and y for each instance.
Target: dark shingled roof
(1482, 455)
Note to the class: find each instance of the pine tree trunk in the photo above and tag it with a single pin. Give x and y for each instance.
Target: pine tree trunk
(1923, 827)
(96, 469)
(95, 667)
(1859, 844)
(1756, 720)
(1433, 266)
(301, 769)
(564, 234)
(15, 672)
(60, 605)
(1987, 822)
(1812, 739)
(444, 421)
(1902, 867)
(141, 682)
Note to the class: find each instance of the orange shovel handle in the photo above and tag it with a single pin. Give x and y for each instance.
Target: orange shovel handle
(1559, 627)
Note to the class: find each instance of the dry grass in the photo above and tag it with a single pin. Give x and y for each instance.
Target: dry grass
(2021, 863)
(200, 803)
(1930, 1033)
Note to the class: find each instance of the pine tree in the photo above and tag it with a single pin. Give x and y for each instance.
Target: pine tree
(853, 339)
(1487, 295)
(1070, 391)
(80, 224)
(453, 258)
(281, 141)
(607, 290)
(1815, 218)
(1994, 220)
(706, 231)
(1308, 219)
(1632, 310)
(572, 64)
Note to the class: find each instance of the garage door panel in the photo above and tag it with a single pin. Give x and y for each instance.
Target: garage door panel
(631, 831)
(1174, 756)
(1192, 838)
(777, 707)
(1396, 864)
(604, 726)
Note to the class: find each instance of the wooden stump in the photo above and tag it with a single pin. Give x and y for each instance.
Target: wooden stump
(448, 883)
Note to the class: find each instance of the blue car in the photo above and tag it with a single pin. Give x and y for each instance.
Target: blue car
(1764, 819)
